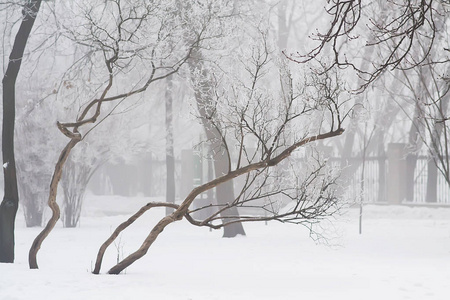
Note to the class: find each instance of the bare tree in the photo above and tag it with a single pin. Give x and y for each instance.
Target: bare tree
(170, 156)
(354, 24)
(112, 31)
(203, 86)
(10, 202)
(430, 95)
(204, 95)
(252, 119)
(34, 162)
(425, 87)
(371, 38)
(75, 178)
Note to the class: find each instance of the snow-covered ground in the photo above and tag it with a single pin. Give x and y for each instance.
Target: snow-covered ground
(403, 253)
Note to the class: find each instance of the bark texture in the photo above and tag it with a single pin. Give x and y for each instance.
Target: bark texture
(32, 255)
(122, 227)
(205, 97)
(10, 202)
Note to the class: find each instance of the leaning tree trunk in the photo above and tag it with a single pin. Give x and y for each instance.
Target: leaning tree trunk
(57, 174)
(10, 203)
(182, 211)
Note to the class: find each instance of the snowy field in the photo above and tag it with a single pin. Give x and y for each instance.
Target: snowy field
(403, 253)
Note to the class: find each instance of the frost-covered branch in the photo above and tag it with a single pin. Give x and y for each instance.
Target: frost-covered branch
(396, 29)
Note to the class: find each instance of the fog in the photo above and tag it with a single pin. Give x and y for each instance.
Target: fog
(226, 116)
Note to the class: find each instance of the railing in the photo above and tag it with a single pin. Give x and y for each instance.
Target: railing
(372, 185)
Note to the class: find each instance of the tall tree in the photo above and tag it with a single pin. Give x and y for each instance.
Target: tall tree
(204, 87)
(170, 157)
(10, 202)
(204, 95)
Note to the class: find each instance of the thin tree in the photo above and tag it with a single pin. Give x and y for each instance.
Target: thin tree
(430, 95)
(10, 202)
(170, 156)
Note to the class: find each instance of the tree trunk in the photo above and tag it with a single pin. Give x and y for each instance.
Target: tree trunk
(57, 174)
(144, 247)
(34, 212)
(10, 203)
(377, 144)
(225, 194)
(438, 151)
(170, 159)
(381, 167)
(204, 97)
(283, 25)
(413, 147)
(348, 166)
(182, 210)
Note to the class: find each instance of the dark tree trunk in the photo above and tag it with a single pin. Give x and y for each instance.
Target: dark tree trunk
(170, 159)
(220, 155)
(10, 203)
(225, 194)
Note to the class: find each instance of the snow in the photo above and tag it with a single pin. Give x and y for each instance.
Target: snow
(403, 253)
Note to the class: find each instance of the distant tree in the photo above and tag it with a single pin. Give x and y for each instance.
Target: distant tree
(370, 39)
(35, 156)
(10, 202)
(75, 178)
(429, 96)
(170, 155)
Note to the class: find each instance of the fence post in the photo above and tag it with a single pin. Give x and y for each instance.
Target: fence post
(396, 179)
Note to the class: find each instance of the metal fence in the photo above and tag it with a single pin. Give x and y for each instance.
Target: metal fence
(372, 186)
